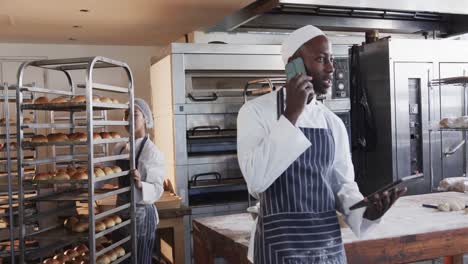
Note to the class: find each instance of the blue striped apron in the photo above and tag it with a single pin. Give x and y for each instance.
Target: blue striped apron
(297, 223)
(146, 217)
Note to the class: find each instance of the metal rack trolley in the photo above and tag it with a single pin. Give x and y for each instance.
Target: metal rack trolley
(89, 194)
(456, 81)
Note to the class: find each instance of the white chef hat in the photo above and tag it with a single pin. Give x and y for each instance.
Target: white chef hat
(296, 39)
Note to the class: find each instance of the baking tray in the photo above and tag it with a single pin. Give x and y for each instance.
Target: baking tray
(78, 182)
(77, 195)
(77, 107)
(72, 143)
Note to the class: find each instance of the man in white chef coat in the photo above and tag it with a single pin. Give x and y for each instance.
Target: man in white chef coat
(298, 164)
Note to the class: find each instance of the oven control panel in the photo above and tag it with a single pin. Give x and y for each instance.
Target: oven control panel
(340, 88)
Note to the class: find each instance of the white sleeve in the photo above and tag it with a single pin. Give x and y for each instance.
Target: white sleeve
(345, 188)
(266, 150)
(153, 187)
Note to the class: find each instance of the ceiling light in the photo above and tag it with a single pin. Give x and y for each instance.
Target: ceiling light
(84, 10)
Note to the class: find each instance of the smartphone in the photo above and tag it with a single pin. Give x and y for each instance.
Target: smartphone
(388, 187)
(294, 68)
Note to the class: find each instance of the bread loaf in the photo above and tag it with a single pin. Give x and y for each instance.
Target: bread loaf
(114, 135)
(96, 136)
(43, 176)
(71, 253)
(61, 176)
(41, 100)
(117, 219)
(116, 169)
(106, 100)
(80, 175)
(78, 137)
(59, 100)
(98, 172)
(109, 222)
(100, 226)
(120, 251)
(57, 137)
(80, 227)
(108, 171)
(78, 99)
(105, 135)
(27, 120)
(39, 139)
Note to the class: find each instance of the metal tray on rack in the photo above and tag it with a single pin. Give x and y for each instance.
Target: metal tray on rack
(78, 195)
(73, 106)
(28, 144)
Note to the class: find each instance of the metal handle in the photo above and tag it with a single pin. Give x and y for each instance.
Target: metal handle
(213, 97)
(217, 128)
(261, 90)
(450, 151)
(216, 174)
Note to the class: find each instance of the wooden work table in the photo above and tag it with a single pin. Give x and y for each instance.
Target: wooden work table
(407, 233)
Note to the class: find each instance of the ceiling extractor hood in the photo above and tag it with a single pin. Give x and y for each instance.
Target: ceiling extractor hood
(396, 16)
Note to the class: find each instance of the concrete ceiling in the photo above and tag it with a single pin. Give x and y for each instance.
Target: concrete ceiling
(116, 22)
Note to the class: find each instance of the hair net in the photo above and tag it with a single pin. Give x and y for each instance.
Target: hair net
(296, 39)
(146, 110)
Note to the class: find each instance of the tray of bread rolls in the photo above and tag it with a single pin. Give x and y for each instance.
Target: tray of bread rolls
(62, 139)
(76, 103)
(78, 194)
(78, 175)
(112, 253)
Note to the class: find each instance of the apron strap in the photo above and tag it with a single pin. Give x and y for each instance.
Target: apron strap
(143, 143)
(137, 158)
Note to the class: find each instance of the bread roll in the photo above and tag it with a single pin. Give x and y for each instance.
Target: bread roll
(100, 226)
(70, 222)
(116, 169)
(99, 247)
(115, 101)
(71, 253)
(108, 171)
(61, 170)
(103, 260)
(78, 137)
(27, 120)
(98, 172)
(51, 261)
(80, 227)
(71, 170)
(96, 136)
(43, 176)
(59, 100)
(13, 146)
(114, 135)
(120, 251)
(96, 99)
(39, 139)
(61, 176)
(63, 258)
(106, 100)
(57, 137)
(109, 222)
(117, 219)
(81, 249)
(80, 175)
(112, 255)
(78, 99)
(105, 135)
(41, 100)
(80, 169)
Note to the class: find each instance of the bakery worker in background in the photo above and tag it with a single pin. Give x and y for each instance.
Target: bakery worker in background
(298, 165)
(148, 179)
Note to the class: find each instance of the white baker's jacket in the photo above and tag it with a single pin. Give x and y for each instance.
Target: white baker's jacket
(268, 146)
(151, 167)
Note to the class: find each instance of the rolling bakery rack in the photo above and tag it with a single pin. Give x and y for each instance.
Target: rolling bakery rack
(8, 189)
(56, 199)
(449, 127)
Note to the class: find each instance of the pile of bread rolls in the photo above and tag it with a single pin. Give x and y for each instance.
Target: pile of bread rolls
(13, 146)
(104, 171)
(26, 120)
(74, 137)
(78, 173)
(74, 99)
(70, 173)
(80, 225)
(79, 255)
